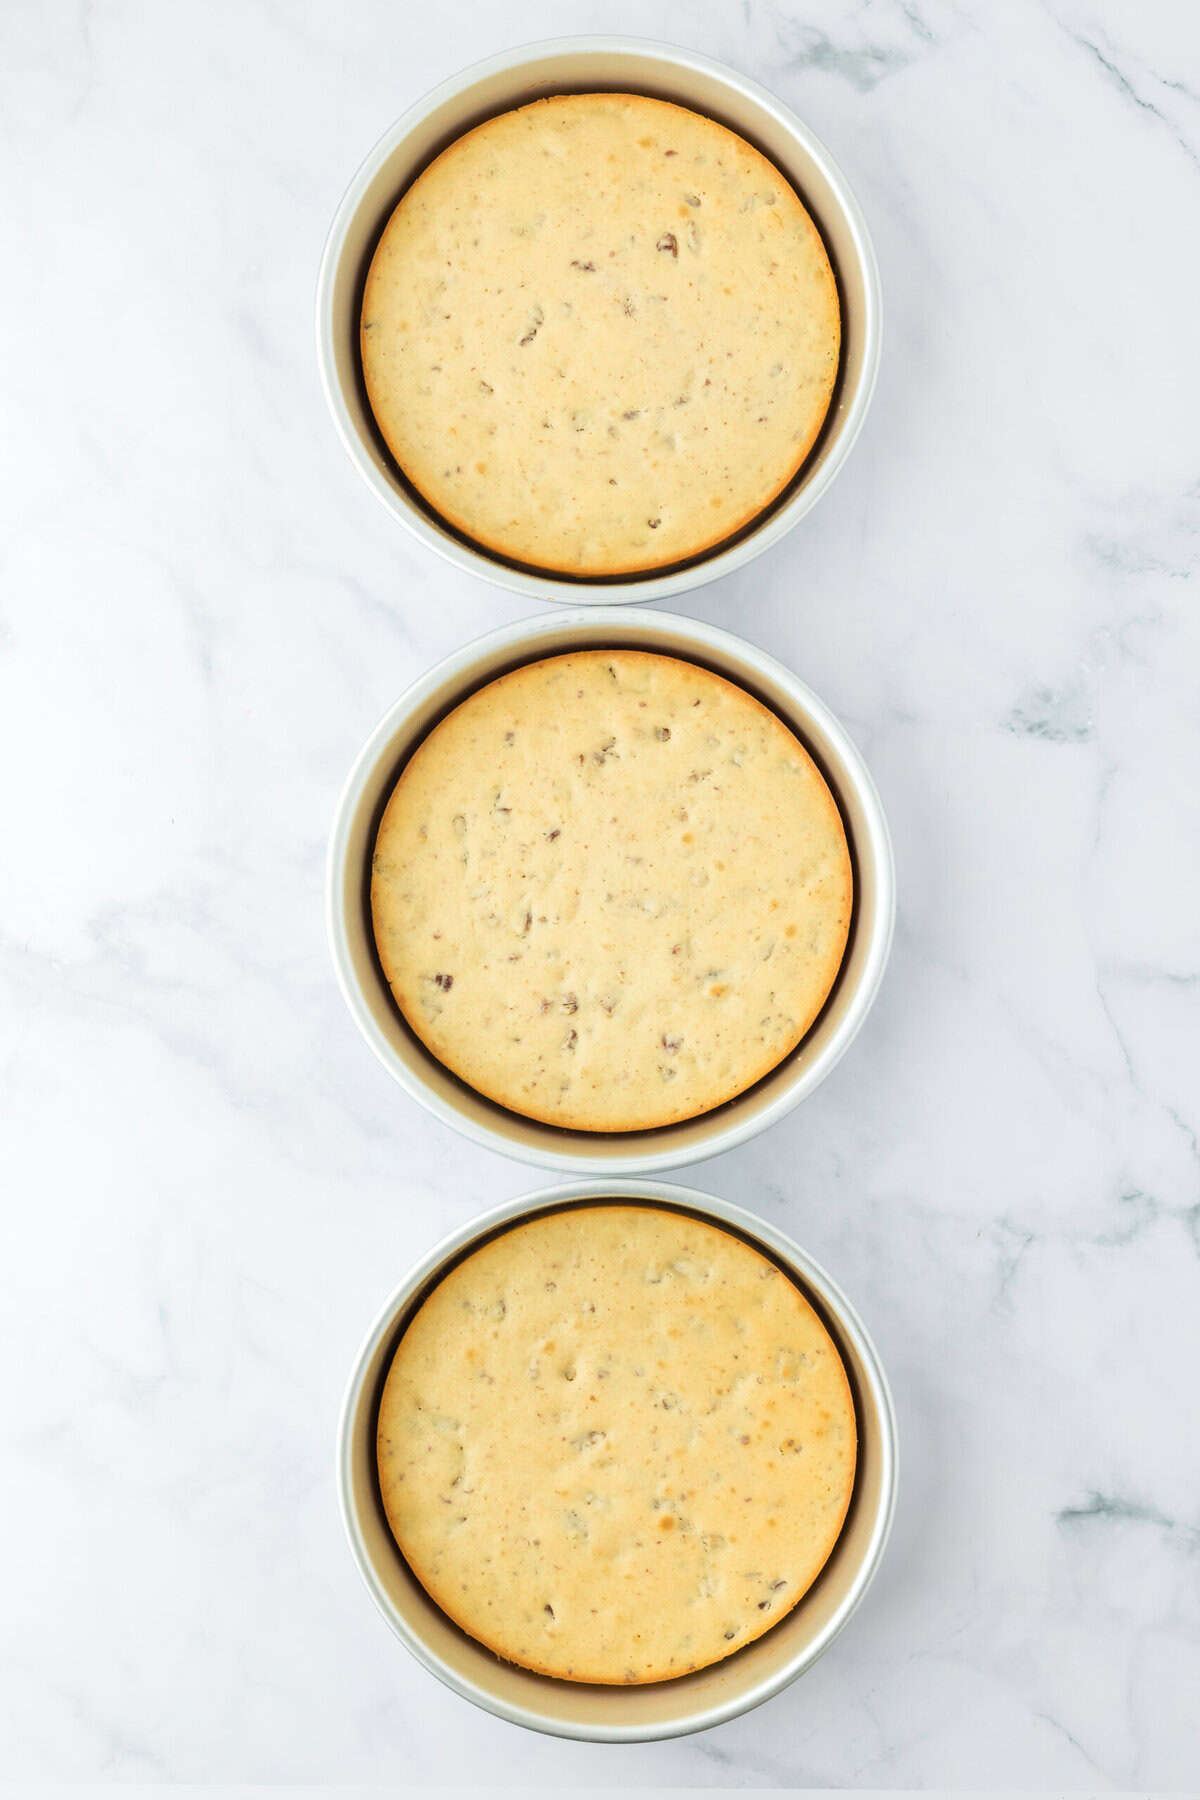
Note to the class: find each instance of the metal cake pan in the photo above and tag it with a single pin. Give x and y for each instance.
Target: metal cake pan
(580, 65)
(352, 941)
(663, 1709)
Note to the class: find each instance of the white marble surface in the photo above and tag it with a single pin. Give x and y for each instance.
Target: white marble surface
(209, 1184)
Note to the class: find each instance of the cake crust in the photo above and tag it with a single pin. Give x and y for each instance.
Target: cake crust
(616, 1444)
(611, 890)
(600, 334)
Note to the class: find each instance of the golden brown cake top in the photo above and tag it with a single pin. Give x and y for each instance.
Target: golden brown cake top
(611, 890)
(616, 1444)
(600, 333)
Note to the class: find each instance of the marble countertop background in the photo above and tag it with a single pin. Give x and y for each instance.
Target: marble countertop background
(209, 1185)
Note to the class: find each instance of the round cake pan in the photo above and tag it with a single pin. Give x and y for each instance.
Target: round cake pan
(662, 1709)
(578, 65)
(348, 901)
